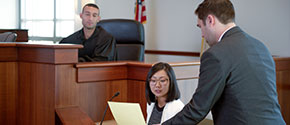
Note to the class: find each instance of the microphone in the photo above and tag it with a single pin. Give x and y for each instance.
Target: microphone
(115, 95)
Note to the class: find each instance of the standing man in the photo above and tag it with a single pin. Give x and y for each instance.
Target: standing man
(237, 79)
(98, 44)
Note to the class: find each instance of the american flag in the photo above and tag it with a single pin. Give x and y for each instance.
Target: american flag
(140, 11)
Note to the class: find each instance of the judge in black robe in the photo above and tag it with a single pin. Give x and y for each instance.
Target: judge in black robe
(98, 44)
(101, 46)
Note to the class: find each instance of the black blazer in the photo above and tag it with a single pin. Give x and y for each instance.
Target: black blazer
(237, 83)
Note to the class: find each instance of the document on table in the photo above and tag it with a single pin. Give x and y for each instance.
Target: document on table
(127, 113)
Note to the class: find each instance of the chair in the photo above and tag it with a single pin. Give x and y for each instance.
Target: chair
(8, 37)
(129, 35)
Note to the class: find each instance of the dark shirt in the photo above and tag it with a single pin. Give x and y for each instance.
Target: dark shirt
(101, 46)
(156, 115)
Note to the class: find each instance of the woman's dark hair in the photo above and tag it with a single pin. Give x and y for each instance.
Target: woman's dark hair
(173, 92)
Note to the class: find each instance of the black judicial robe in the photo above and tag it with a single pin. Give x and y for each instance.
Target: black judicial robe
(101, 46)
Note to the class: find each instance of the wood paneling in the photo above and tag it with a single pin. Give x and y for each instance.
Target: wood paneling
(73, 116)
(138, 71)
(28, 79)
(36, 79)
(47, 55)
(283, 88)
(95, 74)
(36, 94)
(282, 63)
(111, 88)
(66, 89)
(283, 85)
(89, 96)
(106, 71)
(8, 54)
(136, 94)
(8, 93)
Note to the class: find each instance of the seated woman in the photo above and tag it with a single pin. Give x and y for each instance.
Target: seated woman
(162, 94)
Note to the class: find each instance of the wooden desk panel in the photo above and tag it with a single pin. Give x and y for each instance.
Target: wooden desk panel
(27, 92)
(72, 116)
(89, 96)
(138, 71)
(8, 54)
(136, 94)
(283, 85)
(8, 93)
(47, 55)
(95, 74)
(36, 94)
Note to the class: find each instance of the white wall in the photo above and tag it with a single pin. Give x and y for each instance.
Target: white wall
(9, 14)
(116, 8)
(171, 24)
(268, 21)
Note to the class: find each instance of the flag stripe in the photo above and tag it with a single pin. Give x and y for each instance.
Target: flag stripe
(140, 11)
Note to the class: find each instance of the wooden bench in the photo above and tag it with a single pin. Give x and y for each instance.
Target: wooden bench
(72, 116)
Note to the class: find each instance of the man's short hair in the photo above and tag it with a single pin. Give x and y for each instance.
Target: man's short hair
(222, 9)
(173, 92)
(90, 5)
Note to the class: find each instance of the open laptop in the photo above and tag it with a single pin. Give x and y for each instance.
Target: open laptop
(127, 113)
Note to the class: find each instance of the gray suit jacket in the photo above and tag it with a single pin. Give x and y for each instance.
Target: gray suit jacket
(237, 83)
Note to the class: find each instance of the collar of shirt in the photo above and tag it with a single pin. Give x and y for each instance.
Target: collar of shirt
(224, 33)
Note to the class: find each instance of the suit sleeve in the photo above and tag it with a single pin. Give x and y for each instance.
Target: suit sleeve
(210, 87)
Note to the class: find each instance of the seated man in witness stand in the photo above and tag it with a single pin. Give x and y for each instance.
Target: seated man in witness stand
(162, 94)
(98, 44)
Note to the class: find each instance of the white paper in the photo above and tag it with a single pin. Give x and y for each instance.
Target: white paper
(127, 113)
